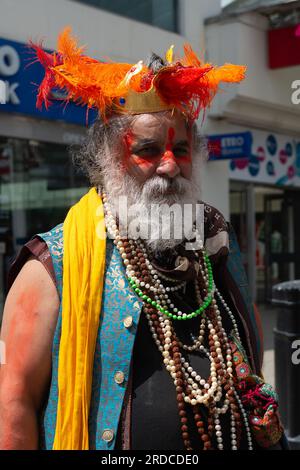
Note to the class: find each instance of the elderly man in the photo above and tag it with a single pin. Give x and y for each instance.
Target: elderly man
(145, 339)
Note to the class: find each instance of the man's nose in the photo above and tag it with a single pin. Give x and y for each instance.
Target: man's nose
(168, 165)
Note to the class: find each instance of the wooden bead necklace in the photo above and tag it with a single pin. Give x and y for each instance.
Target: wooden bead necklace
(217, 393)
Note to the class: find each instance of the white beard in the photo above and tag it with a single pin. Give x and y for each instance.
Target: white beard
(148, 206)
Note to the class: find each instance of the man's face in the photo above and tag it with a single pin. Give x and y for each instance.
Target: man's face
(157, 147)
(157, 171)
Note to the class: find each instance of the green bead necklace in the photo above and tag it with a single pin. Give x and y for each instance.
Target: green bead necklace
(207, 300)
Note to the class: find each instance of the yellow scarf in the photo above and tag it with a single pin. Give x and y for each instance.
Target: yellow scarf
(83, 272)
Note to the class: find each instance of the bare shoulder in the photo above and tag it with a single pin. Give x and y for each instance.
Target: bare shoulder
(28, 326)
(32, 295)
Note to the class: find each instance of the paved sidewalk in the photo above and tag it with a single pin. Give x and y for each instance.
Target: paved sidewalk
(268, 317)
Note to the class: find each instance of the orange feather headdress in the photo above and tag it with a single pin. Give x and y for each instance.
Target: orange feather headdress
(184, 83)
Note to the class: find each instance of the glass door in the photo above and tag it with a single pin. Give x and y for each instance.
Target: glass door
(282, 254)
(38, 184)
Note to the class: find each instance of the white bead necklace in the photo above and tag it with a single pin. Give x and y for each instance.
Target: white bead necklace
(202, 391)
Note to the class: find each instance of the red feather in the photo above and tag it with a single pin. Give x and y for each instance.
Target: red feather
(48, 61)
(184, 87)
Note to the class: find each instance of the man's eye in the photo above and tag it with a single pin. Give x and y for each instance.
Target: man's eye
(180, 151)
(148, 152)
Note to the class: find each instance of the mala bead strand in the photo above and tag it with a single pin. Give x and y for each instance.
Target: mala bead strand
(218, 432)
(235, 417)
(150, 314)
(173, 346)
(191, 389)
(156, 274)
(238, 400)
(230, 314)
(233, 432)
(141, 260)
(210, 427)
(179, 394)
(160, 305)
(204, 435)
(245, 419)
(237, 424)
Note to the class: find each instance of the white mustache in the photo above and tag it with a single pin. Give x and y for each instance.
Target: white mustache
(159, 186)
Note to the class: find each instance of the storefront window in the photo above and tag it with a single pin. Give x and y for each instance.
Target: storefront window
(276, 258)
(38, 184)
(154, 12)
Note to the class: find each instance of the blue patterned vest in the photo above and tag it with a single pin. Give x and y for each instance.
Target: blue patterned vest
(113, 348)
(114, 342)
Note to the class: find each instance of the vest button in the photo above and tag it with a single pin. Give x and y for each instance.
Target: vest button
(119, 377)
(128, 321)
(107, 435)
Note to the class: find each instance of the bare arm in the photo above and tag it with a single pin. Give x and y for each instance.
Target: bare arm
(29, 321)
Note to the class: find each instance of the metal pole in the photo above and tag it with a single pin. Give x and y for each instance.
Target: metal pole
(251, 240)
(291, 241)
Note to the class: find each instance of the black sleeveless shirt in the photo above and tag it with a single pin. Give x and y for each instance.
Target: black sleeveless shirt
(155, 421)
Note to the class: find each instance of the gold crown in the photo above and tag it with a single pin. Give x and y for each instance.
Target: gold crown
(140, 103)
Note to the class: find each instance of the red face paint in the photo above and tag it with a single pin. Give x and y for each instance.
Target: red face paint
(186, 159)
(167, 155)
(170, 140)
(141, 162)
(137, 165)
(128, 140)
(169, 145)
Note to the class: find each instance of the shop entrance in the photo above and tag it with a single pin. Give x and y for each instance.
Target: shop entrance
(282, 253)
(266, 224)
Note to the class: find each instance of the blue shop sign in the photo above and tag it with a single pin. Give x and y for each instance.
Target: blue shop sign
(230, 146)
(21, 81)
